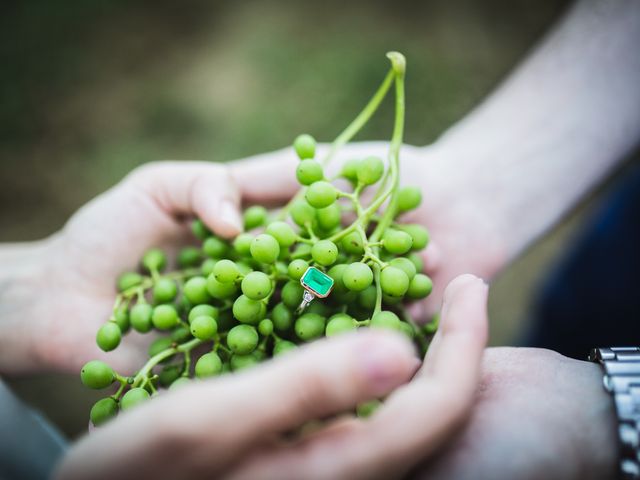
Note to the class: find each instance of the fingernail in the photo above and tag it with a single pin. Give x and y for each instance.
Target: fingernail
(229, 215)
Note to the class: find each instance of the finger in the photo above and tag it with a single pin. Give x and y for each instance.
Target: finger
(192, 188)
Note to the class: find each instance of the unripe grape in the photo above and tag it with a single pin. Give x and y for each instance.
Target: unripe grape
(181, 382)
(164, 290)
(121, 317)
(254, 216)
(309, 326)
(248, 311)
(240, 362)
(128, 280)
(189, 257)
(226, 271)
(370, 170)
(340, 323)
(213, 247)
(256, 285)
(420, 286)
(385, 319)
(297, 268)
(159, 345)
(208, 365)
(282, 317)
(154, 260)
(265, 327)
(407, 329)
(319, 307)
(195, 290)
(220, 290)
(180, 334)
(108, 336)
(164, 317)
(408, 198)
(302, 213)
(103, 410)
(140, 317)
(292, 294)
(336, 273)
(367, 297)
(283, 346)
(350, 170)
(308, 172)
(242, 243)
(169, 374)
(324, 252)
(265, 248)
(97, 375)
(133, 397)
(305, 146)
(199, 310)
(204, 327)
(301, 250)
(283, 233)
(207, 267)
(199, 229)
(321, 194)
(417, 261)
(397, 241)
(242, 339)
(418, 233)
(352, 243)
(394, 282)
(366, 409)
(357, 276)
(244, 268)
(329, 217)
(405, 265)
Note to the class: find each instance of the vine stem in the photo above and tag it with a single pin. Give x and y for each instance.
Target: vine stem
(157, 358)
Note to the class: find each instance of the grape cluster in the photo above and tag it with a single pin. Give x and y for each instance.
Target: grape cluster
(232, 304)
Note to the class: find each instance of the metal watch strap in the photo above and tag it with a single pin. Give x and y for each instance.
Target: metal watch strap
(622, 380)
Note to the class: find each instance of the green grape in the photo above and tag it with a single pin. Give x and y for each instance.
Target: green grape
(181, 382)
(367, 297)
(308, 172)
(337, 273)
(319, 307)
(169, 374)
(292, 294)
(366, 409)
(128, 280)
(164, 290)
(240, 362)
(302, 213)
(265, 248)
(254, 216)
(370, 170)
(329, 217)
(301, 250)
(283, 233)
(431, 327)
(242, 243)
(189, 257)
(121, 317)
(282, 317)
(417, 261)
(133, 397)
(357, 276)
(265, 327)
(164, 317)
(397, 241)
(350, 170)
(226, 271)
(305, 146)
(244, 267)
(283, 346)
(385, 319)
(353, 243)
(97, 375)
(405, 265)
(248, 311)
(309, 326)
(207, 266)
(409, 198)
(394, 282)
(199, 229)
(203, 310)
(208, 365)
(340, 323)
(219, 290)
(159, 345)
(297, 268)
(321, 194)
(180, 334)
(215, 248)
(195, 291)
(140, 317)
(242, 339)
(324, 252)
(204, 327)
(419, 235)
(407, 329)
(108, 336)
(420, 286)
(256, 285)
(103, 410)
(154, 260)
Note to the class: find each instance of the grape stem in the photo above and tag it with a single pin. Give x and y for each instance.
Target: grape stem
(166, 353)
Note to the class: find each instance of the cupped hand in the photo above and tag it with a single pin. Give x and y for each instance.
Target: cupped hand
(239, 426)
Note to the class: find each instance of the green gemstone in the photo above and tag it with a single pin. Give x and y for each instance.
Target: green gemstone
(317, 282)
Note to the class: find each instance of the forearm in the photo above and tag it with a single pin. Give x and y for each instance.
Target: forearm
(558, 124)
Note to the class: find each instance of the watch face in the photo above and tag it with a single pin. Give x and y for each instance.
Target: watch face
(317, 282)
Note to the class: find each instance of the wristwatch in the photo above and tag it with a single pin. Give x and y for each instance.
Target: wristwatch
(622, 380)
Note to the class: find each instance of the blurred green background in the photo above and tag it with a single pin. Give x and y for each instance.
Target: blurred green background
(92, 89)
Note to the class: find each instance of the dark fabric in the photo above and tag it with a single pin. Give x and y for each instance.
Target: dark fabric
(592, 298)
(29, 445)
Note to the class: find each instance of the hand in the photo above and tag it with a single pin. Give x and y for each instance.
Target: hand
(234, 426)
(538, 415)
